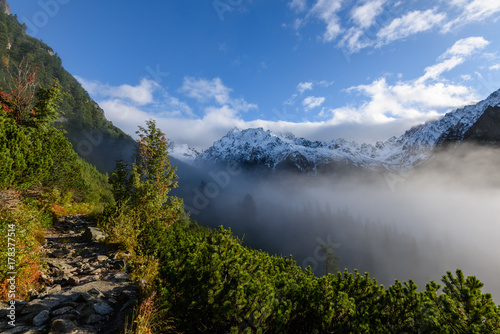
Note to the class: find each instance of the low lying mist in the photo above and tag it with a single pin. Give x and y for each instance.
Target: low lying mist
(441, 216)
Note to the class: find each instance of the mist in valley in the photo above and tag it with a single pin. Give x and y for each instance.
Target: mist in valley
(438, 217)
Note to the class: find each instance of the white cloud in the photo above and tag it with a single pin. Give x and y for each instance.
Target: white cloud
(473, 11)
(205, 91)
(355, 40)
(466, 47)
(364, 15)
(361, 28)
(303, 86)
(408, 101)
(458, 3)
(147, 93)
(420, 99)
(327, 10)
(433, 72)
(495, 67)
(409, 24)
(298, 5)
(312, 102)
(177, 107)
(140, 95)
(458, 52)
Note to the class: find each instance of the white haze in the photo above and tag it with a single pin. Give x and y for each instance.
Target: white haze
(448, 210)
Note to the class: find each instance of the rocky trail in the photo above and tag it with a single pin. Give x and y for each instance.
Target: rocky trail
(85, 287)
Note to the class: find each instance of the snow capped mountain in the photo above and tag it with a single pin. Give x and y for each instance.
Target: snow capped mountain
(258, 147)
(182, 152)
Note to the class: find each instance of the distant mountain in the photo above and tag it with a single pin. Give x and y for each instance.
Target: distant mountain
(93, 137)
(182, 152)
(260, 149)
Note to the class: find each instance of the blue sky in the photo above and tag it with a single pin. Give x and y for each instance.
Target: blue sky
(363, 70)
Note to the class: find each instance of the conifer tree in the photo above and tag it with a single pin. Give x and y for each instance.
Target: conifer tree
(331, 266)
(145, 188)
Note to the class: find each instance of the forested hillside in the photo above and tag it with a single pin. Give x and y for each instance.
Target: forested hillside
(94, 138)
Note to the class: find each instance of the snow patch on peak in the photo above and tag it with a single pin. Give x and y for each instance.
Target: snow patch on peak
(182, 152)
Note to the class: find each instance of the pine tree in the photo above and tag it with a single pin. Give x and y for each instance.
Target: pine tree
(145, 188)
(120, 181)
(331, 266)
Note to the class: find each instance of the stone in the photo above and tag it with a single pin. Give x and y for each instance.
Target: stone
(54, 289)
(44, 278)
(96, 271)
(41, 318)
(93, 234)
(62, 326)
(58, 272)
(73, 281)
(112, 301)
(103, 308)
(38, 330)
(120, 276)
(86, 309)
(3, 309)
(33, 294)
(96, 293)
(62, 310)
(82, 297)
(39, 305)
(69, 316)
(94, 319)
(58, 253)
(17, 329)
(102, 258)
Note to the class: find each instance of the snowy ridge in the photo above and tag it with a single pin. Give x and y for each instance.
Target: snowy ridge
(261, 147)
(182, 152)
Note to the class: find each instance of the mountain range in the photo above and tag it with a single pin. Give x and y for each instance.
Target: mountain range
(264, 150)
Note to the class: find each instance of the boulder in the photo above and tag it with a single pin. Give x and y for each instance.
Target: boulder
(41, 318)
(102, 308)
(62, 326)
(93, 234)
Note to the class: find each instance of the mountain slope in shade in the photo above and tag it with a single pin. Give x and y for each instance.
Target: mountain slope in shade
(260, 148)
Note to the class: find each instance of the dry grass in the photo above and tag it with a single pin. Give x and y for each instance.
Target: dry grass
(148, 320)
(29, 222)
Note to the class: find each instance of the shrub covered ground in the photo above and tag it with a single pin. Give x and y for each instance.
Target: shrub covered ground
(207, 281)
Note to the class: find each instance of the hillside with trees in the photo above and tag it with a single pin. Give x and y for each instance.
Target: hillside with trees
(93, 137)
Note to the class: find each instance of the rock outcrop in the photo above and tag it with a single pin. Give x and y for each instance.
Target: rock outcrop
(5, 7)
